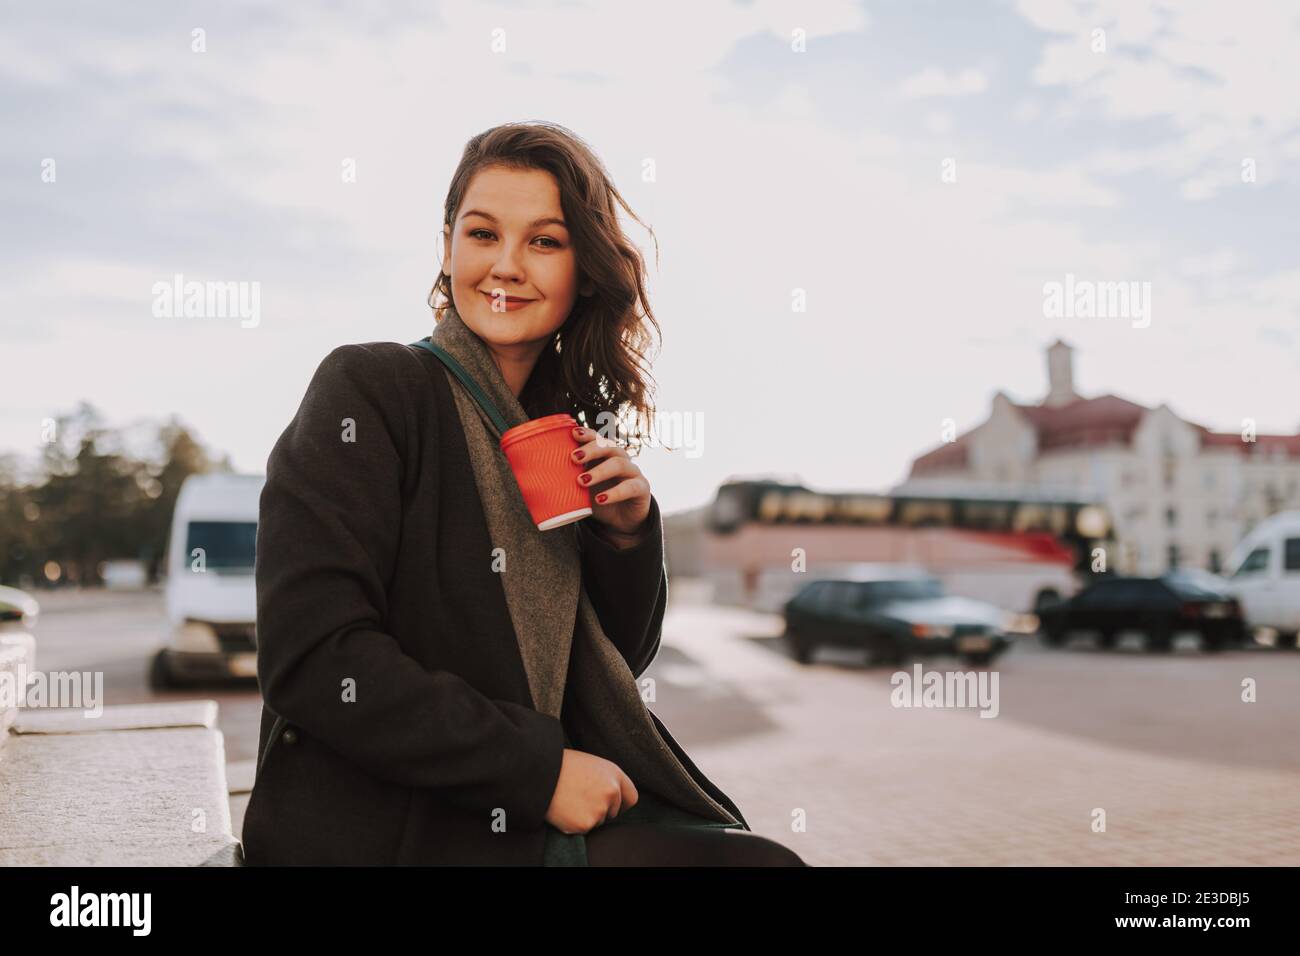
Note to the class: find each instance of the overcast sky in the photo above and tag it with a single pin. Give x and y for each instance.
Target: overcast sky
(1169, 157)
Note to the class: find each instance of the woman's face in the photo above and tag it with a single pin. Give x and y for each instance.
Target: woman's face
(509, 242)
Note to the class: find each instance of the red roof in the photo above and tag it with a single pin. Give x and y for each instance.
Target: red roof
(1084, 422)
(1091, 422)
(1263, 444)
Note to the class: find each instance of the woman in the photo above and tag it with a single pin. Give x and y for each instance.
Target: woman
(442, 682)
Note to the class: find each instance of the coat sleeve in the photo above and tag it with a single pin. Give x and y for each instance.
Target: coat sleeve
(628, 588)
(327, 539)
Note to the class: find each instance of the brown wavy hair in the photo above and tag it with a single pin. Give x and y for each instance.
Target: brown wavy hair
(595, 363)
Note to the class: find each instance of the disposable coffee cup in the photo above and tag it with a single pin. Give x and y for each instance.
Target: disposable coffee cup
(540, 453)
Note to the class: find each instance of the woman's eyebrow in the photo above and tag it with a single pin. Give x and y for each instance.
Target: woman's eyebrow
(544, 221)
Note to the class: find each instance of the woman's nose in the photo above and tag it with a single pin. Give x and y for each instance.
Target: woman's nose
(507, 267)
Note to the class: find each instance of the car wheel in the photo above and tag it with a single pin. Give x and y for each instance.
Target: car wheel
(1054, 635)
(887, 656)
(1045, 599)
(1286, 639)
(1160, 639)
(981, 659)
(800, 647)
(160, 672)
(1107, 640)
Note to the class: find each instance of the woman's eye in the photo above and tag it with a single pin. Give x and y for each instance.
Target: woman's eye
(486, 235)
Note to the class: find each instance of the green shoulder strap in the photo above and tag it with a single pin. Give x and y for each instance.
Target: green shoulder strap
(467, 380)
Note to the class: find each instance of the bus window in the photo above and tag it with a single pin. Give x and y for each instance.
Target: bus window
(1032, 516)
(924, 514)
(770, 507)
(859, 509)
(805, 505)
(986, 515)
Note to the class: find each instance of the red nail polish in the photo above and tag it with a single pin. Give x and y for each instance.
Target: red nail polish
(585, 479)
(601, 498)
(579, 455)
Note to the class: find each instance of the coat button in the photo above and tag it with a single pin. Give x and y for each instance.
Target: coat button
(290, 736)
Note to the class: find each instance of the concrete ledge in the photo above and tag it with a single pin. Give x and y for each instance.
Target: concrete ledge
(20, 639)
(71, 720)
(142, 785)
(17, 650)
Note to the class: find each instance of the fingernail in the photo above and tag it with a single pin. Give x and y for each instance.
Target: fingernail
(585, 479)
(577, 433)
(601, 498)
(579, 455)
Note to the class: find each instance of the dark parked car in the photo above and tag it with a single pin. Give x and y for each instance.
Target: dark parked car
(1159, 607)
(893, 615)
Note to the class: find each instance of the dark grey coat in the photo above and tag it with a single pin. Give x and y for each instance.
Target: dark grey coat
(373, 571)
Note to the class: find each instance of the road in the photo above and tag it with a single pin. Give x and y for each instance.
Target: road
(818, 756)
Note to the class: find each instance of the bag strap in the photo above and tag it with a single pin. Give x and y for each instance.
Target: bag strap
(467, 380)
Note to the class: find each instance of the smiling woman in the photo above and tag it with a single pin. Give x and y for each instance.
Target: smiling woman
(534, 260)
(444, 681)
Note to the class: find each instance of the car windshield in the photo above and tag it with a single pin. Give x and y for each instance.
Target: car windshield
(227, 545)
(1194, 583)
(911, 589)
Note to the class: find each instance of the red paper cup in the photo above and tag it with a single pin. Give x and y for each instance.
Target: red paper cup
(541, 456)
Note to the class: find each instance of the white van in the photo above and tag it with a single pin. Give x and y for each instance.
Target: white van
(211, 591)
(1264, 575)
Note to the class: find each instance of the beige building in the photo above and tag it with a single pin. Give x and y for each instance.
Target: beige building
(1180, 494)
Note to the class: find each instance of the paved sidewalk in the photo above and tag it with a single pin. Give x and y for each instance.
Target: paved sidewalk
(903, 786)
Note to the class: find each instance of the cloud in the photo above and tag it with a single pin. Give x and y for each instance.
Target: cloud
(935, 82)
(1220, 79)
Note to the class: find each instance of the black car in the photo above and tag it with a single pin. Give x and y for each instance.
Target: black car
(1159, 607)
(893, 616)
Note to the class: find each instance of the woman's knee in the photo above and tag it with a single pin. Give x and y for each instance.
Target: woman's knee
(764, 851)
(641, 845)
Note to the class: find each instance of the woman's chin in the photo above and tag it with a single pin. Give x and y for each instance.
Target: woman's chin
(507, 328)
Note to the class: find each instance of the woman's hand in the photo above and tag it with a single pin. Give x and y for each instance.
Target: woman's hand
(591, 791)
(622, 499)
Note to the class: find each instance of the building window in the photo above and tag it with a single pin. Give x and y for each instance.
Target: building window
(1216, 564)
(1171, 517)
(1173, 555)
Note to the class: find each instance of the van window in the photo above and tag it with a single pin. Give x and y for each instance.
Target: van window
(1256, 562)
(227, 545)
(1291, 556)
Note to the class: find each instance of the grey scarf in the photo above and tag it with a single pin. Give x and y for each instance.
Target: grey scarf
(569, 661)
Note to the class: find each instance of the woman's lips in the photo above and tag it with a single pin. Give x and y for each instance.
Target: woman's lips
(511, 304)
